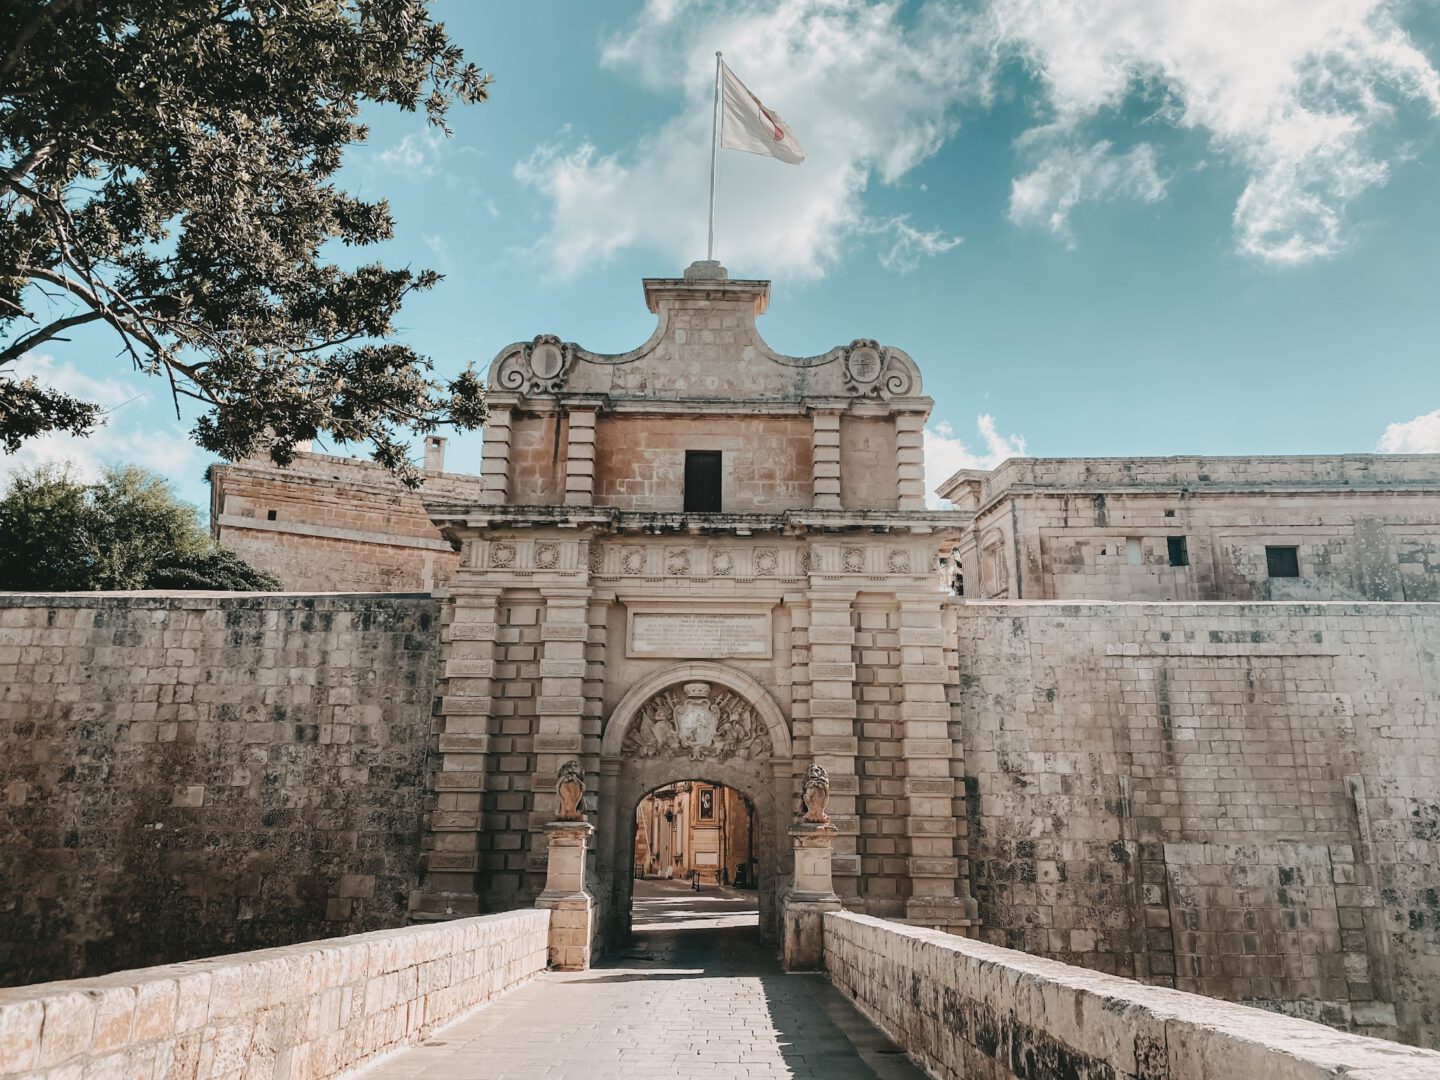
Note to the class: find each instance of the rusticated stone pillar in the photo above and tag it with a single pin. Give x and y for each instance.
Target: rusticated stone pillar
(572, 908)
(930, 822)
(812, 894)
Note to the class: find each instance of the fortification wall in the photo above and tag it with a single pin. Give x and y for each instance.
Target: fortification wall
(187, 774)
(1235, 799)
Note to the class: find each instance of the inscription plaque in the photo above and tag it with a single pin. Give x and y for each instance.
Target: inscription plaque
(699, 635)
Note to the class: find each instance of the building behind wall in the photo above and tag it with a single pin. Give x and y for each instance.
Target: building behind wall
(1353, 527)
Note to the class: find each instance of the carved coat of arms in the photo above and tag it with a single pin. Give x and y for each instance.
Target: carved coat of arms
(701, 721)
(696, 720)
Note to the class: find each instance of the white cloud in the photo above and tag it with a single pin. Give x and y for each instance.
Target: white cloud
(415, 156)
(946, 453)
(1418, 436)
(1067, 176)
(167, 450)
(1300, 95)
(910, 245)
(869, 93)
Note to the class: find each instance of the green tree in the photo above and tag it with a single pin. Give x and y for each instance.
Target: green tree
(129, 531)
(165, 171)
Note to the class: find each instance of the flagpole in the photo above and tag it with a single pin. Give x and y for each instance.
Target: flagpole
(714, 155)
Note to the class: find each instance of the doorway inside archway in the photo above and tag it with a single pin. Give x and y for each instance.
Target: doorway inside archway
(694, 859)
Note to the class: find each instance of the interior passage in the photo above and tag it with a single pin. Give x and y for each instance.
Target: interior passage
(695, 994)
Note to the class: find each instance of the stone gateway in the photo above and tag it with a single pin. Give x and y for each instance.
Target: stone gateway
(1174, 720)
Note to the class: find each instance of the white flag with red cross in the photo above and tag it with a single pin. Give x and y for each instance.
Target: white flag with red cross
(746, 124)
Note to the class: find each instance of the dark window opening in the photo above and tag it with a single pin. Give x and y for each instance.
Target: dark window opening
(270, 515)
(1169, 513)
(702, 481)
(1282, 561)
(1179, 553)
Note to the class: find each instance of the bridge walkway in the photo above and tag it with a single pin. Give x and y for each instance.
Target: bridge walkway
(695, 995)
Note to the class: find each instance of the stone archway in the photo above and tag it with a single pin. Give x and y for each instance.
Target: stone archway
(693, 721)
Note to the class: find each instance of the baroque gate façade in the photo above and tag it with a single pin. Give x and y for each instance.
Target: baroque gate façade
(699, 560)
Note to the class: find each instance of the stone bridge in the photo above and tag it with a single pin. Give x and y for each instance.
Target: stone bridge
(696, 994)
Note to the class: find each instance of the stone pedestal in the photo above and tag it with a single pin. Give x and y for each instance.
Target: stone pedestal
(812, 894)
(572, 908)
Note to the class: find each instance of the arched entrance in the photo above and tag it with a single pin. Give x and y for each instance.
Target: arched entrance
(695, 721)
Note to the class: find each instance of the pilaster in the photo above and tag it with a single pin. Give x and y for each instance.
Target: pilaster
(928, 751)
(495, 456)
(910, 460)
(833, 743)
(560, 703)
(825, 458)
(462, 742)
(580, 458)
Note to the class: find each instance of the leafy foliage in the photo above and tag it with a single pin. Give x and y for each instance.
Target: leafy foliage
(129, 531)
(165, 170)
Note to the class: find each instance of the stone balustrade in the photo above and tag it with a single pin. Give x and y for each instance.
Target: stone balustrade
(301, 1012)
(962, 1008)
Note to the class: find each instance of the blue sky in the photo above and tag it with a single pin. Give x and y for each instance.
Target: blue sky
(1114, 228)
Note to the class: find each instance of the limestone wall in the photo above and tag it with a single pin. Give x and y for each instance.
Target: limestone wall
(1239, 800)
(309, 1011)
(187, 774)
(328, 523)
(766, 466)
(1364, 527)
(966, 1009)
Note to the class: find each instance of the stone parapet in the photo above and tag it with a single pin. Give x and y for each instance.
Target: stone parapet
(962, 1008)
(315, 1010)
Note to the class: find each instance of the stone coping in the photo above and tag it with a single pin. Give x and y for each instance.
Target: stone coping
(202, 597)
(963, 1008)
(1213, 608)
(302, 1012)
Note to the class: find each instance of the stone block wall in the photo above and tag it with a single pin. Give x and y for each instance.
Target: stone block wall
(965, 1009)
(187, 774)
(337, 524)
(304, 1012)
(766, 461)
(1364, 528)
(1240, 800)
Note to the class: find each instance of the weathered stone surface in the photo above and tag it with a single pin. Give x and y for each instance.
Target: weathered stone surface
(964, 1009)
(194, 773)
(313, 1010)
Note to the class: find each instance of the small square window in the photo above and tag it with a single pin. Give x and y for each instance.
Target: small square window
(1282, 561)
(1179, 550)
(270, 515)
(702, 481)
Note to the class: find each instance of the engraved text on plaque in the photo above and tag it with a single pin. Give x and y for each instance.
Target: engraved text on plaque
(699, 635)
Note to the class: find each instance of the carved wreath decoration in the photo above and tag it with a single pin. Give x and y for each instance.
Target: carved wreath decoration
(633, 561)
(677, 562)
(853, 559)
(698, 721)
(502, 556)
(766, 561)
(547, 556)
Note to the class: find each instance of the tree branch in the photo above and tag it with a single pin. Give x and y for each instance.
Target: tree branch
(45, 333)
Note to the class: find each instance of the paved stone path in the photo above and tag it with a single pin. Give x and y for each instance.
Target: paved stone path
(695, 995)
